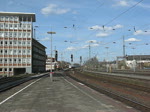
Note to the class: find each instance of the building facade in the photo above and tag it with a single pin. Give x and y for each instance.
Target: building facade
(38, 57)
(19, 51)
(140, 61)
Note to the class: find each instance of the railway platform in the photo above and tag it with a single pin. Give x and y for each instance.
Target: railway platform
(63, 94)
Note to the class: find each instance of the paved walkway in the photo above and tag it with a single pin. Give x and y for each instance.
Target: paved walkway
(61, 95)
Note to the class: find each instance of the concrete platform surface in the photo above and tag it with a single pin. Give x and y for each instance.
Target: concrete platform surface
(61, 95)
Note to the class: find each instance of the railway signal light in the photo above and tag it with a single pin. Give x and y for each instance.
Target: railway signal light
(80, 59)
(71, 57)
(56, 55)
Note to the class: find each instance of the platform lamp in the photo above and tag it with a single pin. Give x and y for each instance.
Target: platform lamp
(51, 32)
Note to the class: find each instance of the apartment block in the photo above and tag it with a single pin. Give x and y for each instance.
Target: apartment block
(19, 52)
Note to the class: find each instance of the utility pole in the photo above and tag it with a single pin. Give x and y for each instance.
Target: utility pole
(107, 60)
(89, 51)
(123, 48)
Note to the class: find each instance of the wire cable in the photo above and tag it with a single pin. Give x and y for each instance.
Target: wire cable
(123, 12)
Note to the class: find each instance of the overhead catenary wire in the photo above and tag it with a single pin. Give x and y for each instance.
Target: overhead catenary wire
(103, 26)
(123, 13)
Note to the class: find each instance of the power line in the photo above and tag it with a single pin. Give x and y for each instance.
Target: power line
(123, 12)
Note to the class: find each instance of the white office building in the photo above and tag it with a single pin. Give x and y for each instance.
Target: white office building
(19, 51)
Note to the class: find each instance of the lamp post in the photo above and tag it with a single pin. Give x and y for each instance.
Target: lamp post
(107, 59)
(51, 54)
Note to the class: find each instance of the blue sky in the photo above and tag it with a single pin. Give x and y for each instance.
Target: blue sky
(78, 23)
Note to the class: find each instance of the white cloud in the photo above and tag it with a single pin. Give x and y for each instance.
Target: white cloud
(106, 28)
(122, 3)
(95, 45)
(102, 34)
(45, 39)
(132, 40)
(128, 3)
(53, 9)
(96, 27)
(85, 46)
(71, 48)
(117, 26)
(141, 32)
(91, 45)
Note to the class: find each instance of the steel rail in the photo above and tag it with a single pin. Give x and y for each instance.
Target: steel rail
(123, 99)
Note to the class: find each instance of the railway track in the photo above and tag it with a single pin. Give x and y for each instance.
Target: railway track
(9, 79)
(10, 82)
(124, 81)
(128, 101)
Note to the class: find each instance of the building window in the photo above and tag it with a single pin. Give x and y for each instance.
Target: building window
(10, 26)
(1, 51)
(15, 34)
(10, 42)
(10, 52)
(29, 26)
(15, 42)
(1, 43)
(15, 61)
(11, 18)
(24, 34)
(24, 43)
(24, 51)
(5, 69)
(6, 26)
(15, 26)
(1, 26)
(28, 61)
(28, 42)
(24, 26)
(20, 34)
(1, 60)
(5, 51)
(10, 34)
(7, 18)
(1, 18)
(19, 51)
(10, 60)
(29, 51)
(10, 69)
(16, 18)
(24, 60)
(1, 69)
(1, 34)
(6, 43)
(5, 60)
(6, 34)
(29, 35)
(19, 60)
(19, 43)
(15, 52)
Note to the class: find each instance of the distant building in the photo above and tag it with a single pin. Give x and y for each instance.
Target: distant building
(51, 64)
(19, 51)
(137, 60)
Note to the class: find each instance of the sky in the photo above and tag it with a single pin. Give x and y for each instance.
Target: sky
(100, 24)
